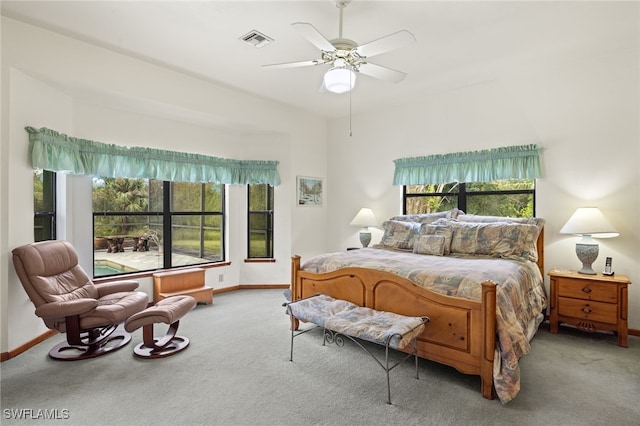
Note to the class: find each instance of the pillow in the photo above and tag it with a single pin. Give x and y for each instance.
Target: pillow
(427, 217)
(399, 235)
(440, 228)
(497, 239)
(539, 222)
(429, 244)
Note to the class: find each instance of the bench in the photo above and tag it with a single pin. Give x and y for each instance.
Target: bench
(189, 282)
(342, 318)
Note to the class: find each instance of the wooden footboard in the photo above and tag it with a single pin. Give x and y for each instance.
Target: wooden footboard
(461, 332)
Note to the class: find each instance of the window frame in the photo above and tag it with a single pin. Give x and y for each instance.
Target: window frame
(49, 182)
(166, 215)
(269, 222)
(462, 194)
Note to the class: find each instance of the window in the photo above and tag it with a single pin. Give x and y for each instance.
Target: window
(44, 205)
(147, 224)
(260, 221)
(510, 198)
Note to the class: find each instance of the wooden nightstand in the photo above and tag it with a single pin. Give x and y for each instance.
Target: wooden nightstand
(589, 302)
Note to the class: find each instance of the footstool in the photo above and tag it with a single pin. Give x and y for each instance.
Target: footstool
(168, 311)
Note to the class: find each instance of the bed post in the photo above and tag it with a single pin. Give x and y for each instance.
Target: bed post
(489, 333)
(295, 267)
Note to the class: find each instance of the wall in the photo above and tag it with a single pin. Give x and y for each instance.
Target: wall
(583, 112)
(92, 93)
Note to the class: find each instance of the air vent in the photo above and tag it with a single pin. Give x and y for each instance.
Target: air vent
(256, 38)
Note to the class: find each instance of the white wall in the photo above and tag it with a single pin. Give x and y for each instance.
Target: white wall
(87, 92)
(584, 113)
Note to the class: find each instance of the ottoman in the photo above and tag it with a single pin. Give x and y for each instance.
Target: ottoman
(168, 311)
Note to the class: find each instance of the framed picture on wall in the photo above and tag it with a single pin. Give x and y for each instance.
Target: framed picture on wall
(309, 190)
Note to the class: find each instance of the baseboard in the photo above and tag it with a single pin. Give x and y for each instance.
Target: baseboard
(4, 356)
(23, 348)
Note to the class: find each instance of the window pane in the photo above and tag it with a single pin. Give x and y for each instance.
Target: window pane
(509, 205)
(155, 195)
(260, 221)
(430, 204)
(43, 228)
(213, 197)
(120, 195)
(443, 188)
(258, 197)
(186, 197)
(44, 206)
(501, 185)
(126, 243)
(196, 239)
(260, 236)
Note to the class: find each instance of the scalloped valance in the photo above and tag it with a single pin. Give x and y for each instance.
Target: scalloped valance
(58, 152)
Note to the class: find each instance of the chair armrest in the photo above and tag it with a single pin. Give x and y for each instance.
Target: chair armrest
(66, 308)
(116, 287)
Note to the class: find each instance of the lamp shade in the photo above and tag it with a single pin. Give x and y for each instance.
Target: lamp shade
(339, 79)
(589, 221)
(364, 219)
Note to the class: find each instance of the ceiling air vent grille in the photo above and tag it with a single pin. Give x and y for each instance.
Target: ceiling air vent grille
(256, 38)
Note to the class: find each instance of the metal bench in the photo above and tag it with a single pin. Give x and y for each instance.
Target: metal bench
(340, 318)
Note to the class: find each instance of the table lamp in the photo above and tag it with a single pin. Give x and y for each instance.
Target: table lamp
(588, 222)
(365, 219)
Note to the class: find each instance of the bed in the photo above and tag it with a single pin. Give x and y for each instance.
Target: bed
(478, 278)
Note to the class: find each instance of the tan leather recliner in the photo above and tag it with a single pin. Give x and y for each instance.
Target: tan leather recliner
(68, 301)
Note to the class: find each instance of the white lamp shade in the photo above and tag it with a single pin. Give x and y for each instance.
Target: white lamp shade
(589, 221)
(339, 79)
(364, 218)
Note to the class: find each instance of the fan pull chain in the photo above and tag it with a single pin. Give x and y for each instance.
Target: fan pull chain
(350, 92)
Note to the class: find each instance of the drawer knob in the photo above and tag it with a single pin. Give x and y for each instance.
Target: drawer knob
(586, 310)
(586, 290)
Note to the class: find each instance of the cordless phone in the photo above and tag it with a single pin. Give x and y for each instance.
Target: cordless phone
(607, 267)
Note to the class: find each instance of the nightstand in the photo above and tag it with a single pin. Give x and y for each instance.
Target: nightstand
(589, 302)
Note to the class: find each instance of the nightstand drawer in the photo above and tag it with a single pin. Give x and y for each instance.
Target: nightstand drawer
(590, 310)
(588, 290)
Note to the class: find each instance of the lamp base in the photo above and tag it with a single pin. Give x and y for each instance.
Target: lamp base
(365, 238)
(587, 253)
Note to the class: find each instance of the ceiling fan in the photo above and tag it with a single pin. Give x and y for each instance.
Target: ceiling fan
(346, 57)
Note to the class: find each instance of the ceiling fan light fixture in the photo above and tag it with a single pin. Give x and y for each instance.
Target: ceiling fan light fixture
(340, 79)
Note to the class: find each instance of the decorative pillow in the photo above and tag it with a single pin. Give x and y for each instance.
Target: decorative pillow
(427, 217)
(399, 235)
(498, 239)
(429, 244)
(440, 228)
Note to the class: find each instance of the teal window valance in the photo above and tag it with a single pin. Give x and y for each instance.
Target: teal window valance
(513, 162)
(58, 152)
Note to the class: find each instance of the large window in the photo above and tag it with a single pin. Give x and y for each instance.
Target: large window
(260, 221)
(44, 205)
(510, 198)
(146, 224)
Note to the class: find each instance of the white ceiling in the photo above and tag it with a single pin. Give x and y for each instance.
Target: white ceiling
(458, 43)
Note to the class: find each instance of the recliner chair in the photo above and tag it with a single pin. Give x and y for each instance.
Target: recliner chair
(68, 301)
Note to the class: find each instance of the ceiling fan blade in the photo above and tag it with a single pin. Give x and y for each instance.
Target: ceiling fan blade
(310, 32)
(381, 73)
(295, 64)
(386, 43)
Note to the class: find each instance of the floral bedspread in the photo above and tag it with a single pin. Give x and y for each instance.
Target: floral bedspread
(521, 297)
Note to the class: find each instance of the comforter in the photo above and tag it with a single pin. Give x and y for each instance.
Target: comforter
(521, 297)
